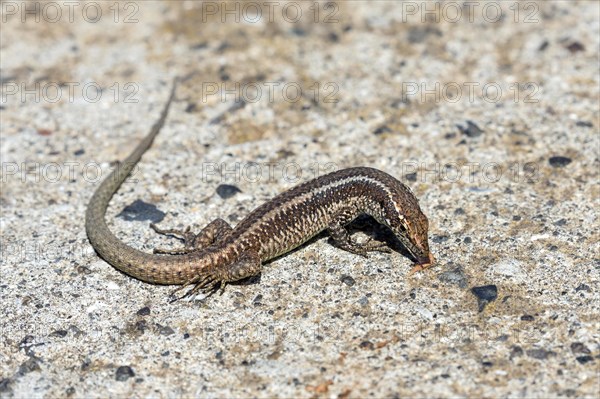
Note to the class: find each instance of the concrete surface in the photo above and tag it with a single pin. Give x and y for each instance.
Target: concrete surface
(491, 116)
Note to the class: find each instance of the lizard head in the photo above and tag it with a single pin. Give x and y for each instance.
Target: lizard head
(410, 226)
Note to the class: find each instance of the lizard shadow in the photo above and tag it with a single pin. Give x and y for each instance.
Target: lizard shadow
(363, 223)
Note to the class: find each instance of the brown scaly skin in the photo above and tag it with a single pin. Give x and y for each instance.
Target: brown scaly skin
(221, 254)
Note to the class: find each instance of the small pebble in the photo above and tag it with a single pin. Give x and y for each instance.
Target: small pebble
(59, 333)
(559, 161)
(583, 287)
(584, 359)
(28, 366)
(165, 330)
(348, 280)
(471, 130)
(5, 385)
(540, 354)
(575, 47)
(124, 373)
(145, 311)
(381, 130)
(141, 211)
(584, 124)
(439, 239)
(367, 345)
(411, 176)
(454, 276)
(516, 351)
(226, 191)
(485, 294)
(578, 347)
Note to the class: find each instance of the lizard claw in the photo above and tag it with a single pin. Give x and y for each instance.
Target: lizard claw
(205, 283)
(423, 264)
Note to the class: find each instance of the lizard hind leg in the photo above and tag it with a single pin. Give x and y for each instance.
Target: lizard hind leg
(208, 280)
(211, 234)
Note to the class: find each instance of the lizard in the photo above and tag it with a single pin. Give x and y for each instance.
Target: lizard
(220, 253)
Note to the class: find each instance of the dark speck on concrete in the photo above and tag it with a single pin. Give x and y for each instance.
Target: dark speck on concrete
(227, 190)
(584, 359)
(583, 287)
(28, 366)
(527, 317)
(516, 351)
(5, 384)
(145, 311)
(439, 239)
(485, 294)
(540, 354)
(199, 46)
(141, 326)
(418, 34)
(367, 345)
(381, 130)
(59, 333)
(79, 152)
(141, 211)
(454, 276)
(298, 31)
(584, 124)
(575, 47)
(578, 347)
(333, 37)
(348, 280)
(123, 373)
(559, 161)
(411, 176)
(165, 330)
(471, 130)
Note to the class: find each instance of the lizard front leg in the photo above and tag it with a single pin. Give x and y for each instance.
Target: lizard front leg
(212, 233)
(342, 239)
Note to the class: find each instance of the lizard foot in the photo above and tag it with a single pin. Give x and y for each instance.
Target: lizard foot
(185, 235)
(206, 283)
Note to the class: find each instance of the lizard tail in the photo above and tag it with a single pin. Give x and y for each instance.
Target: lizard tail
(129, 260)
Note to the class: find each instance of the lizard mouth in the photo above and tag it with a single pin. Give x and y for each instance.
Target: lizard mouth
(423, 262)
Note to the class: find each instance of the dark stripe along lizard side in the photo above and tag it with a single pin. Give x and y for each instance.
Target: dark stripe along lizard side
(221, 254)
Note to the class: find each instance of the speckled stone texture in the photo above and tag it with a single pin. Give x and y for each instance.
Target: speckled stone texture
(489, 111)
